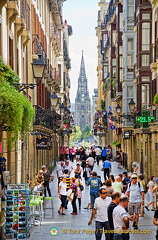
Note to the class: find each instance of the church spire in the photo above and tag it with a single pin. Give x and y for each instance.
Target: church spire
(82, 101)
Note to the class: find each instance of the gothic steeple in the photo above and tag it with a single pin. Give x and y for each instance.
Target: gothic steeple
(82, 101)
(82, 81)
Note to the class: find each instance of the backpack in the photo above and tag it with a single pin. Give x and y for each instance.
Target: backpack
(130, 185)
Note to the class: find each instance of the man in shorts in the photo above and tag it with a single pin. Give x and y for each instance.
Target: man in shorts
(135, 192)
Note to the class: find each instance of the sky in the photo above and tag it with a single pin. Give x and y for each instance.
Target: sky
(82, 16)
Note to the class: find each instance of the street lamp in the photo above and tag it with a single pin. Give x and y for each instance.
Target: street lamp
(38, 67)
(131, 105)
(118, 108)
(54, 99)
(62, 109)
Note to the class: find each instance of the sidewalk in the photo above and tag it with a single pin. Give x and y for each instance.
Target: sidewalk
(71, 227)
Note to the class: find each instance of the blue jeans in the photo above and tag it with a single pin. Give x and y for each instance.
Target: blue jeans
(122, 236)
(93, 196)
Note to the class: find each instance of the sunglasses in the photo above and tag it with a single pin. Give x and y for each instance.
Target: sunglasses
(104, 193)
(134, 178)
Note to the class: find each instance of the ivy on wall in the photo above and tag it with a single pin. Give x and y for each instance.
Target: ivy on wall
(16, 111)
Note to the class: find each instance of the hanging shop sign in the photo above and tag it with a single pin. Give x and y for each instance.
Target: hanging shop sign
(126, 134)
(42, 143)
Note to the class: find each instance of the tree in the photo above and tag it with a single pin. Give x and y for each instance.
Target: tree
(86, 133)
(76, 136)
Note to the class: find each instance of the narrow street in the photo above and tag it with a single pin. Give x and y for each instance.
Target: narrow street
(76, 227)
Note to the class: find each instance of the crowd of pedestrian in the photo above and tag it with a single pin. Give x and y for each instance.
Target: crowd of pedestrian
(114, 202)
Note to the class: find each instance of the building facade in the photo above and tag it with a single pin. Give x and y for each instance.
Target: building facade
(29, 31)
(129, 74)
(82, 100)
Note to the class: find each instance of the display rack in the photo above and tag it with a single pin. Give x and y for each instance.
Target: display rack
(17, 211)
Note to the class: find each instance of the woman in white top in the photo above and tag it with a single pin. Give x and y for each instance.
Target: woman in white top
(62, 195)
(150, 186)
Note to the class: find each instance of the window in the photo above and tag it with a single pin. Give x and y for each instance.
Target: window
(130, 60)
(130, 11)
(121, 61)
(121, 21)
(130, 44)
(145, 93)
(130, 2)
(121, 75)
(114, 72)
(145, 15)
(120, 49)
(113, 37)
(129, 91)
(104, 36)
(145, 60)
(145, 78)
(105, 71)
(145, 36)
(114, 62)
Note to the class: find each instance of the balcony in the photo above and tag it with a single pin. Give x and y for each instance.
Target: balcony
(46, 118)
(153, 63)
(55, 39)
(110, 12)
(37, 48)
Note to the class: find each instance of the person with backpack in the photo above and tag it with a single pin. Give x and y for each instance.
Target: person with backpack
(135, 192)
(95, 184)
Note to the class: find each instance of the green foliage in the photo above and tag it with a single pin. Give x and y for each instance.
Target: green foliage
(155, 100)
(102, 105)
(116, 144)
(16, 112)
(7, 74)
(86, 133)
(76, 136)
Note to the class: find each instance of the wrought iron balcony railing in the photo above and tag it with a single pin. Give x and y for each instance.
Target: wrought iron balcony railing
(47, 118)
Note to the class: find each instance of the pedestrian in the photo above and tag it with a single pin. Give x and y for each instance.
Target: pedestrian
(60, 170)
(83, 160)
(98, 152)
(79, 191)
(151, 186)
(104, 154)
(90, 161)
(47, 180)
(95, 184)
(107, 168)
(112, 178)
(155, 221)
(87, 173)
(72, 153)
(88, 151)
(68, 167)
(135, 192)
(100, 210)
(39, 179)
(66, 153)
(78, 171)
(62, 195)
(93, 153)
(121, 219)
(108, 186)
(77, 155)
(73, 186)
(125, 181)
(67, 184)
(115, 201)
(119, 159)
(117, 185)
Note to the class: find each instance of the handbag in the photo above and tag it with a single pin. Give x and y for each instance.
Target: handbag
(81, 187)
(70, 195)
(102, 169)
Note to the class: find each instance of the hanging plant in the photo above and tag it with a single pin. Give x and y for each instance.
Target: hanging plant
(16, 112)
(116, 144)
(155, 100)
(102, 104)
